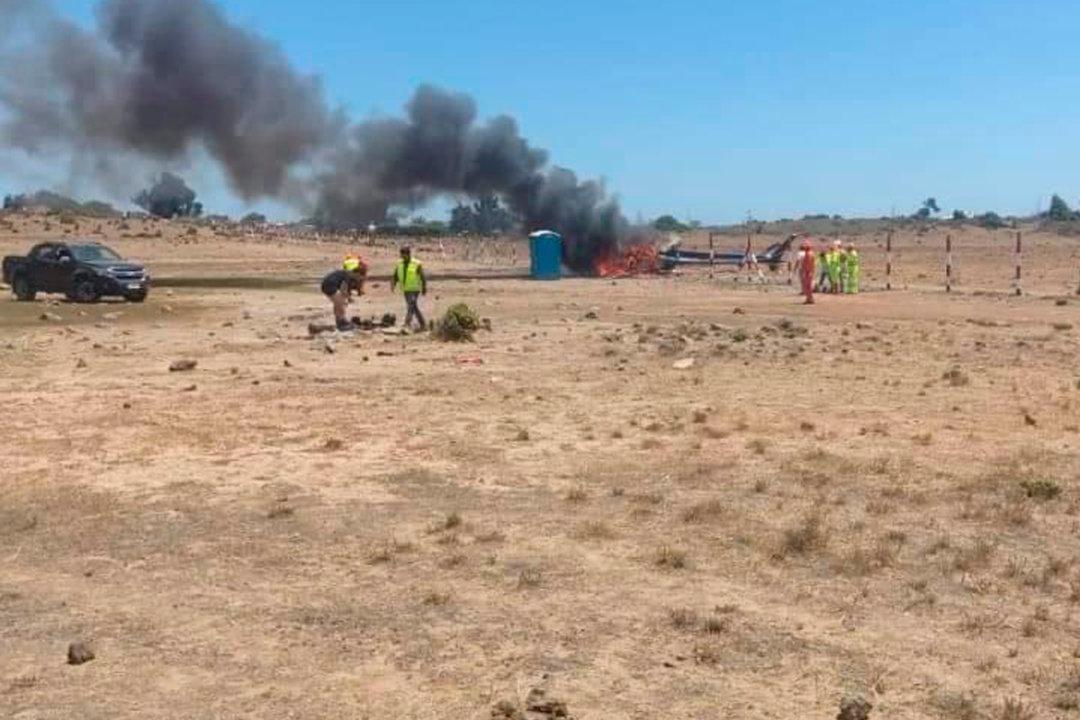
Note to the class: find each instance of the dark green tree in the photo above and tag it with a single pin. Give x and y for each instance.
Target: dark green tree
(169, 197)
(669, 223)
(1060, 210)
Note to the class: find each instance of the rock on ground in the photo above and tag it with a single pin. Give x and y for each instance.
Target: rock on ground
(854, 708)
(79, 653)
(183, 365)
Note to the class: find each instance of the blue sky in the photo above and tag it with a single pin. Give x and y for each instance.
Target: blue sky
(713, 109)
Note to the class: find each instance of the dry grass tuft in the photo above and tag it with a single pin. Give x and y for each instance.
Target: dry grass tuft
(703, 512)
(671, 558)
(956, 705)
(595, 530)
(491, 537)
(712, 433)
(280, 512)
(577, 495)
(975, 557)
(758, 446)
(1016, 709)
(1041, 489)
(715, 625)
(683, 619)
(436, 599)
(530, 578)
(808, 536)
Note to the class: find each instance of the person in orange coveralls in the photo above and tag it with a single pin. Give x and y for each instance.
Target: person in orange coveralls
(805, 267)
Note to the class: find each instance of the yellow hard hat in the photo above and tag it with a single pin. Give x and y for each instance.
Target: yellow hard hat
(351, 263)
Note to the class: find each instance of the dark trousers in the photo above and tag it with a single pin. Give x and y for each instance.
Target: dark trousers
(412, 302)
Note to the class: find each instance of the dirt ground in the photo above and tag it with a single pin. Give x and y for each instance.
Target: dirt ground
(876, 496)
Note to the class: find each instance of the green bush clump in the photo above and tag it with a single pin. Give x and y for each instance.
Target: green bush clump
(458, 324)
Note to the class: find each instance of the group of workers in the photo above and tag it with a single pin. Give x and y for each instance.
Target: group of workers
(339, 286)
(834, 269)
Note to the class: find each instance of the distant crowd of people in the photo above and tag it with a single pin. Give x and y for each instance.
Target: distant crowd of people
(833, 269)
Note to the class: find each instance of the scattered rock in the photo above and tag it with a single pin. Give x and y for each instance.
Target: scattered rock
(79, 653)
(738, 311)
(1063, 327)
(593, 314)
(506, 710)
(191, 388)
(956, 377)
(287, 364)
(328, 347)
(111, 317)
(854, 708)
(50, 317)
(183, 365)
(1029, 420)
(539, 703)
(1062, 302)
(522, 436)
(684, 364)
(81, 364)
(537, 707)
(333, 445)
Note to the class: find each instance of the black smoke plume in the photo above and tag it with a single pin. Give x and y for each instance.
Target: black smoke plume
(159, 79)
(169, 197)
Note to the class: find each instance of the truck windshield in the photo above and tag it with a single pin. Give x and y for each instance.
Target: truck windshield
(94, 253)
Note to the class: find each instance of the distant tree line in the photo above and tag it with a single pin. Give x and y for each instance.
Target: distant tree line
(56, 203)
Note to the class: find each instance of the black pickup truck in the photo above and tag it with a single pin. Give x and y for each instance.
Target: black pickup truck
(84, 271)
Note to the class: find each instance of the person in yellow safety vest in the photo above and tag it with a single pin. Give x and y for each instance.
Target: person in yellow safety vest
(409, 276)
(852, 270)
(823, 269)
(832, 260)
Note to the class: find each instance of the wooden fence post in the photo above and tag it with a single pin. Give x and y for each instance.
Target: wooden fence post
(948, 263)
(888, 262)
(1019, 264)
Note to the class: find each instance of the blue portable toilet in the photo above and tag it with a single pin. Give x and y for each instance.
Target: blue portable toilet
(545, 255)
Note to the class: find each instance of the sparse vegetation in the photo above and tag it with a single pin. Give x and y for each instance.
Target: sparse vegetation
(1041, 489)
(458, 324)
(704, 511)
(577, 495)
(808, 536)
(671, 558)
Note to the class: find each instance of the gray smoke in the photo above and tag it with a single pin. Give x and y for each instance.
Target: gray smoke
(161, 79)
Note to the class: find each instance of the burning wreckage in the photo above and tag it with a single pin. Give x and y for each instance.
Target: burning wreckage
(645, 258)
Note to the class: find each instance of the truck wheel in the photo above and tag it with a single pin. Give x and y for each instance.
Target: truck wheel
(84, 291)
(24, 291)
(137, 297)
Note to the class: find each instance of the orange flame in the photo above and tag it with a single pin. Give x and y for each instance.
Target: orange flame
(632, 260)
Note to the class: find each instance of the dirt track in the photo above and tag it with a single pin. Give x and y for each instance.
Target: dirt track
(832, 500)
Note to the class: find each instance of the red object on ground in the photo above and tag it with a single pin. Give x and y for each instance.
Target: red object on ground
(632, 260)
(807, 265)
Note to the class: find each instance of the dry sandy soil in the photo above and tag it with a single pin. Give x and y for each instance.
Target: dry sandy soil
(875, 496)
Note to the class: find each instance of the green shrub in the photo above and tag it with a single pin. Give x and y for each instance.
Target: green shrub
(458, 324)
